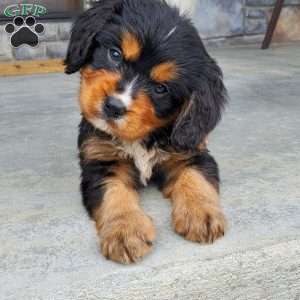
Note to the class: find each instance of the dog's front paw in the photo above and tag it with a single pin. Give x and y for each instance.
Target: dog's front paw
(127, 238)
(199, 222)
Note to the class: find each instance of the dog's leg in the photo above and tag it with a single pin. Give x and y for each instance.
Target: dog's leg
(192, 184)
(110, 196)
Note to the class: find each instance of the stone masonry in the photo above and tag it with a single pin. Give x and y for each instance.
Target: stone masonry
(244, 21)
(258, 13)
(230, 22)
(53, 43)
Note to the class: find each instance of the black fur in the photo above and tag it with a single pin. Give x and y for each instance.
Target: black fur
(197, 96)
(92, 183)
(94, 173)
(84, 31)
(203, 111)
(208, 167)
(200, 79)
(201, 161)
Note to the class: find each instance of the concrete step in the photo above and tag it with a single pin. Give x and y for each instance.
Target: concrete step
(49, 248)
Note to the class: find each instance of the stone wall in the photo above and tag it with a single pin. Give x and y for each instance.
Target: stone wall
(258, 13)
(241, 21)
(218, 21)
(53, 43)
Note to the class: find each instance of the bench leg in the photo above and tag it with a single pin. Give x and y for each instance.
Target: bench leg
(272, 25)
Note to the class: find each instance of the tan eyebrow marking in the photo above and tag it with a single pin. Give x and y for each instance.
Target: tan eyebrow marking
(164, 72)
(131, 46)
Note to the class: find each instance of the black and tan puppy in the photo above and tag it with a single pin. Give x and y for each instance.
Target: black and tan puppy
(150, 94)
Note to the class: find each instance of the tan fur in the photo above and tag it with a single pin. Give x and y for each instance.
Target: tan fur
(109, 149)
(139, 121)
(96, 85)
(126, 232)
(96, 148)
(197, 214)
(164, 72)
(144, 159)
(131, 46)
(203, 145)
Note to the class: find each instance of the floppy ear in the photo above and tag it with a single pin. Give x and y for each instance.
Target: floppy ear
(202, 112)
(84, 30)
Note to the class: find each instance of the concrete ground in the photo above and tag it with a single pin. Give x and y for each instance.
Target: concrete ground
(48, 246)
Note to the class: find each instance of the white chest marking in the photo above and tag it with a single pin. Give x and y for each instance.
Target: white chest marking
(144, 159)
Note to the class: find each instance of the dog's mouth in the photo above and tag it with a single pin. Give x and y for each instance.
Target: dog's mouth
(125, 111)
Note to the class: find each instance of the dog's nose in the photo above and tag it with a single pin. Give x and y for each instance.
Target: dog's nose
(113, 108)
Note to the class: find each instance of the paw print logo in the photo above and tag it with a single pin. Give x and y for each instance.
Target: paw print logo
(24, 31)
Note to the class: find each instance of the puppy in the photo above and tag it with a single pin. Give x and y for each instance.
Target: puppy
(150, 94)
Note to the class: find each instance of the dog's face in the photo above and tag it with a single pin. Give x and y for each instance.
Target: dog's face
(144, 67)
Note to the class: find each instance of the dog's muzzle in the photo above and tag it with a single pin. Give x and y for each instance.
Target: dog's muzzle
(113, 108)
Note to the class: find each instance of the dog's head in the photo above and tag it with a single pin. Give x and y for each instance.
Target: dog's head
(144, 67)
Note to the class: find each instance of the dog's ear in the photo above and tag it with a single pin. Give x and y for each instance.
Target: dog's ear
(84, 30)
(202, 111)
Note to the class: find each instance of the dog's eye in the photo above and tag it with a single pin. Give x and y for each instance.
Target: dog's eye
(115, 55)
(161, 89)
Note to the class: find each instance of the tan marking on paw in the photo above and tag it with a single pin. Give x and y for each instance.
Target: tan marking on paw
(126, 232)
(127, 238)
(197, 214)
(199, 223)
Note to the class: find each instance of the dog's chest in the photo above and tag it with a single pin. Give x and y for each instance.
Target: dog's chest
(144, 159)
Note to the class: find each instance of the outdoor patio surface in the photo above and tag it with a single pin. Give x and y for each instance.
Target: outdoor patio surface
(48, 245)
